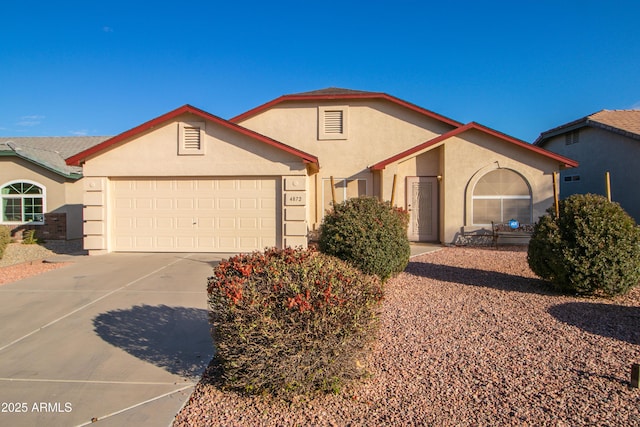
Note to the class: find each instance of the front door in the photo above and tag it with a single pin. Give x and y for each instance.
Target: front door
(422, 204)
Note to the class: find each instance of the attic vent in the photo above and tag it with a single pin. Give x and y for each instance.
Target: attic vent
(333, 122)
(572, 137)
(190, 140)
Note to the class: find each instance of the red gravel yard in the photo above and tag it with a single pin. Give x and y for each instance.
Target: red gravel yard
(471, 337)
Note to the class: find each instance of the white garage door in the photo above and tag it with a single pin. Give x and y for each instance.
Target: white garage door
(193, 215)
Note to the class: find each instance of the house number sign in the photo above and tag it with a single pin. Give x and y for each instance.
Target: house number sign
(295, 199)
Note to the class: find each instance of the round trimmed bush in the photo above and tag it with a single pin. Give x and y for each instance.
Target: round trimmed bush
(369, 234)
(292, 321)
(593, 248)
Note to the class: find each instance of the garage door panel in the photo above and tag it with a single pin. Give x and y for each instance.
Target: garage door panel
(144, 222)
(248, 203)
(184, 223)
(248, 223)
(184, 204)
(227, 204)
(164, 203)
(199, 215)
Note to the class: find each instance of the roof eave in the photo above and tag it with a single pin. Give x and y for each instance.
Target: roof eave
(82, 156)
(70, 175)
(563, 161)
(333, 97)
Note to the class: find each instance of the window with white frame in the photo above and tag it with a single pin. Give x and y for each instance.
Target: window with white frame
(343, 189)
(501, 195)
(22, 201)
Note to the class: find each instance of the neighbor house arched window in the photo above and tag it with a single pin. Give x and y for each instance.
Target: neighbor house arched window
(501, 195)
(22, 201)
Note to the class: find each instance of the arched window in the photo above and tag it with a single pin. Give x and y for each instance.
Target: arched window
(22, 201)
(501, 195)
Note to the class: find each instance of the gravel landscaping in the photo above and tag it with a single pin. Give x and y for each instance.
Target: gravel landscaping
(22, 261)
(469, 337)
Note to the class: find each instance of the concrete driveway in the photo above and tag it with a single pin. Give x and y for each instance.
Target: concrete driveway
(121, 338)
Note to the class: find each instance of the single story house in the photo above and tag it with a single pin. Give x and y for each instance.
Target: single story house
(606, 141)
(38, 188)
(191, 181)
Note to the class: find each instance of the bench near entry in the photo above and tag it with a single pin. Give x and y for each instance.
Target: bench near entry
(512, 232)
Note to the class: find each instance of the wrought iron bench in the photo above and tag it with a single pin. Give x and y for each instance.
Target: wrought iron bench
(511, 231)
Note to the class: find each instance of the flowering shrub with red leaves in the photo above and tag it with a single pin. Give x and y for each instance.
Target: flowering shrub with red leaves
(292, 321)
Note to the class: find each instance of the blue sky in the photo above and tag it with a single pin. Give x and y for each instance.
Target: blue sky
(96, 67)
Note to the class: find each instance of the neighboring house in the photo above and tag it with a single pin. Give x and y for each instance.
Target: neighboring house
(38, 189)
(606, 141)
(190, 181)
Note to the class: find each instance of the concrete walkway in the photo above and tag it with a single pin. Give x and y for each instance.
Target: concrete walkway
(120, 338)
(423, 248)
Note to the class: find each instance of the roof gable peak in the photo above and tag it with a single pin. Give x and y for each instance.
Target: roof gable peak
(334, 94)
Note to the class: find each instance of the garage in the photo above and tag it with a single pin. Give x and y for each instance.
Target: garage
(207, 214)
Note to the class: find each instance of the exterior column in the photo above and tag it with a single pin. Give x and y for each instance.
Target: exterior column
(95, 215)
(295, 227)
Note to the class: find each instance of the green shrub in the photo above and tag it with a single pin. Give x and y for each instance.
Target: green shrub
(29, 237)
(291, 321)
(368, 233)
(5, 239)
(593, 248)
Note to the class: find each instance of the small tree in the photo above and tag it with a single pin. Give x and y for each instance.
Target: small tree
(369, 234)
(592, 248)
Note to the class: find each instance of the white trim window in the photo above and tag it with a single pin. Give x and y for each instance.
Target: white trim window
(501, 195)
(344, 189)
(22, 201)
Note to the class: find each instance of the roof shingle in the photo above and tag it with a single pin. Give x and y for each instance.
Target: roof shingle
(624, 122)
(50, 152)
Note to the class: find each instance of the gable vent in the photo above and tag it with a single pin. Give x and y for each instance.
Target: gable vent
(572, 137)
(333, 122)
(192, 138)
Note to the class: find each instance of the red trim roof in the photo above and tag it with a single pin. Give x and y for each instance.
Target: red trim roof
(76, 159)
(331, 94)
(407, 153)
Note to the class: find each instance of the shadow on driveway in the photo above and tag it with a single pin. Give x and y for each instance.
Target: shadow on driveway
(176, 339)
(608, 320)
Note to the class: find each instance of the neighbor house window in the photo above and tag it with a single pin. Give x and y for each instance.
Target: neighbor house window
(22, 201)
(501, 195)
(343, 189)
(571, 178)
(333, 122)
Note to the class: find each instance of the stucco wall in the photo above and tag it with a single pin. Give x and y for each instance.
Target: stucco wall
(470, 156)
(599, 151)
(62, 195)
(227, 153)
(460, 162)
(377, 129)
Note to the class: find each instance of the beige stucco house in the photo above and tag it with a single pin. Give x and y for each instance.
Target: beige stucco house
(191, 181)
(606, 141)
(38, 189)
